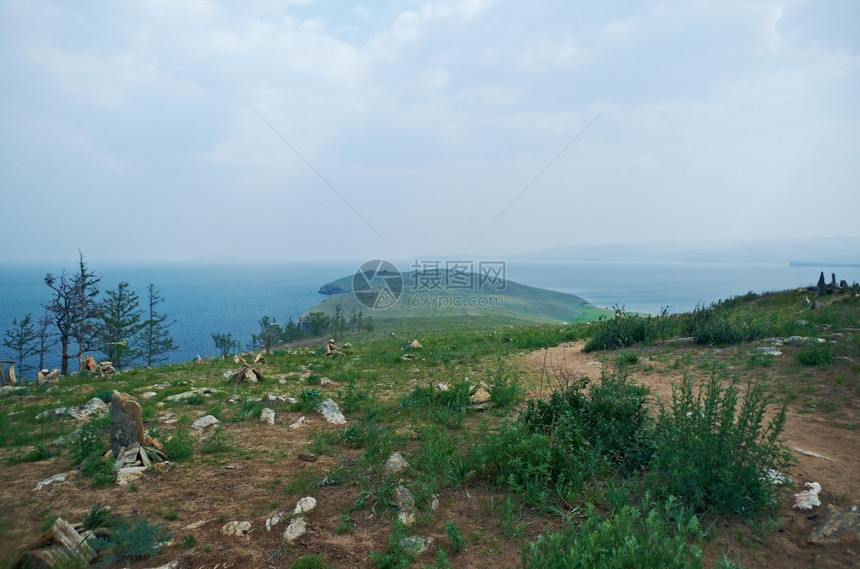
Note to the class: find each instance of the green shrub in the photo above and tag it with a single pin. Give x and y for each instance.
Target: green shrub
(446, 407)
(89, 449)
(558, 444)
(624, 329)
(106, 395)
(712, 452)
(180, 445)
(133, 539)
(458, 542)
(505, 389)
(215, 442)
(814, 353)
(659, 539)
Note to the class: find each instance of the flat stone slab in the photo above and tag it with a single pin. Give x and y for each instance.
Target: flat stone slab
(838, 526)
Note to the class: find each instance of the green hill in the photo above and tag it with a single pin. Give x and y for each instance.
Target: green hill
(514, 303)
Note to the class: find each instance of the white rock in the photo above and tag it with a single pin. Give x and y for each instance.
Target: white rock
(204, 421)
(93, 408)
(148, 394)
(268, 416)
(61, 477)
(297, 423)
(295, 530)
(129, 474)
(808, 499)
(273, 521)
(395, 464)
(417, 544)
(331, 412)
(305, 505)
(241, 529)
(775, 477)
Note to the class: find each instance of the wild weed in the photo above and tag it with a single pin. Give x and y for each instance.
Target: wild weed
(814, 353)
(712, 452)
(653, 537)
(397, 554)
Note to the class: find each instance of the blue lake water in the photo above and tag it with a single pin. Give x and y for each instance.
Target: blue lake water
(231, 298)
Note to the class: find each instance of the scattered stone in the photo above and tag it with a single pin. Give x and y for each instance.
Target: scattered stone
(434, 503)
(800, 340)
(417, 544)
(416, 345)
(331, 412)
(775, 477)
(394, 464)
(808, 453)
(297, 528)
(766, 350)
(682, 340)
(104, 369)
(240, 529)
(204, 421)
(89, 364)
(441, 387)
(838, 526)
(268, 416)
(297, 423)
(126, 422)
(328, 382)
(405, 504)
(194, 391)
(774, 341)
(307, 457)
(148, 394)
(247, 373)
(276, 399)
(91, 409)
(198, 524)
(12, 389)
(481, 395)
(59, 411)
(305, 505)
(808, 499)
(273, 521)
(331, 349)
(45, 376)
(61, 477)
(129, 474)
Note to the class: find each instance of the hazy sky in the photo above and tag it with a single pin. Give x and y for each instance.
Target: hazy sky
(141, 130)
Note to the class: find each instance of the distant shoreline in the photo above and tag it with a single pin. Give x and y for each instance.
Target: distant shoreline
(822, 264)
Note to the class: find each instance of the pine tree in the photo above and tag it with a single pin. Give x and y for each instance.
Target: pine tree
(155, 339)
(121, 328)
(74, 311)
(21, 339)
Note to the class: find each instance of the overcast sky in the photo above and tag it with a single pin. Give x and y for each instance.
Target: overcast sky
(168, 129)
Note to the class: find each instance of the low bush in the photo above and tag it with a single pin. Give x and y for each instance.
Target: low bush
(814, 353)
(712, 447)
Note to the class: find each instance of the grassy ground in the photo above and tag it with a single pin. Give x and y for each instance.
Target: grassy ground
(589, 458)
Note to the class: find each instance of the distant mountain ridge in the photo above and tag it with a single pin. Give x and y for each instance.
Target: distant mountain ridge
(821, 251)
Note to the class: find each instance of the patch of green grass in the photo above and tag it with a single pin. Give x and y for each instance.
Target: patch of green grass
(652, 536)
